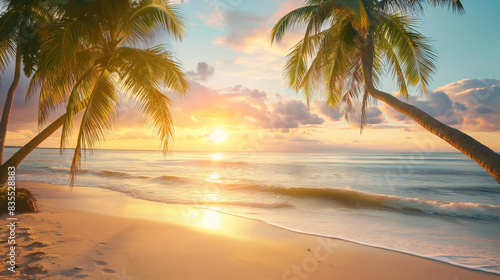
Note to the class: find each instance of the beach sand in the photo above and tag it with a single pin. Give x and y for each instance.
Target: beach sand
(93, 233)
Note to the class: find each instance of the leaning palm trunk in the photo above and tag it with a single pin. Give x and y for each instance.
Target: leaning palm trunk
(16, 159)
(8, 102)
(484, 156)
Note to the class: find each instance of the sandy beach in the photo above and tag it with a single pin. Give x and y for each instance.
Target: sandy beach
(259, 140)
(93, 233)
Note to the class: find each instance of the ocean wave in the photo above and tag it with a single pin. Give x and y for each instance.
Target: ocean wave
(58, 169)
(151, 197)
(107, 173)
(103, 173)
(174, 179)
(244, 204)
(354, 198)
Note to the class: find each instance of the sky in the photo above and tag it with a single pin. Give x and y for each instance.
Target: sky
(237, 87)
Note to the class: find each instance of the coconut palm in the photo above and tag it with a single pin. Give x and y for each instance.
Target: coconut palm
(93, 56)
(19, 42)
(347, 46)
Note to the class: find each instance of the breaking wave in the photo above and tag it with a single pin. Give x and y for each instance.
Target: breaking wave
(354, 198)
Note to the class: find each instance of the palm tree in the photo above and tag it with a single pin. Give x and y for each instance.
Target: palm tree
(19, 41)
(92, 57)
(347, 46)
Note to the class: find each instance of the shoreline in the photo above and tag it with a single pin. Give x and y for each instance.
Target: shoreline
(196, 206)
(269, 243)
(371, 246)
(347, 240)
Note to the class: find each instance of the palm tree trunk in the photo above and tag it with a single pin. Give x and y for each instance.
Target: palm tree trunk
(4, 123)
(16, 159)
(484, 156)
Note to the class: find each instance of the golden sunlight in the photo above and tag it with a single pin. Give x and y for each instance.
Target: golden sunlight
(204, 218)
(214, 177)
(210, 219)
(218, 136)
(217, 156)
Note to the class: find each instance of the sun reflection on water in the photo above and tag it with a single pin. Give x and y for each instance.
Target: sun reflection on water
(214, 177)
(217, 156)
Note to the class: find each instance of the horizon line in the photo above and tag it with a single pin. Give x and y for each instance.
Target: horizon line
(201, 151)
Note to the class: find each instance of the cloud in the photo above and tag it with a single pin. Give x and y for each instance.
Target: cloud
(292, 114)
(202, 73)
(437, 104)
(238, 106)
(303, 140)
(242, 107)
(210, 106)
(297, 142)
(467, 104)
(328, 111)
(373, 114)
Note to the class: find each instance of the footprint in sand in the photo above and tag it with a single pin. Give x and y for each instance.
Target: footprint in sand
(101, 263)
(35, 255)
(27, 238)
(109, 270)
(23, 232)
(32, 269)
(73, 272)
(37, 244)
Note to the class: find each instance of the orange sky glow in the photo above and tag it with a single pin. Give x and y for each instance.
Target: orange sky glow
(237, 88)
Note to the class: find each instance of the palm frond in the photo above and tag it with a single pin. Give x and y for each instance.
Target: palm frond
(152, 17)
(156, 107)
(295, 67)
(454, 5)
(361, 20)
(61, 44)
(340, 61)
(352, 87)
(9, 28)
(413, 49)
(292, 19)
(395, 67)
(78, 99)
(55, 88)
(364, 110)
(97, 119)
(310, 81)
(154, 67)
(417, 6)
(143, 75)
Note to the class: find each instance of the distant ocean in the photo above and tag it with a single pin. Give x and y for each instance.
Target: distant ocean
(438, 205)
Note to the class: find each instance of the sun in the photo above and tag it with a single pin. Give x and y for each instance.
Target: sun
(218, 136)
